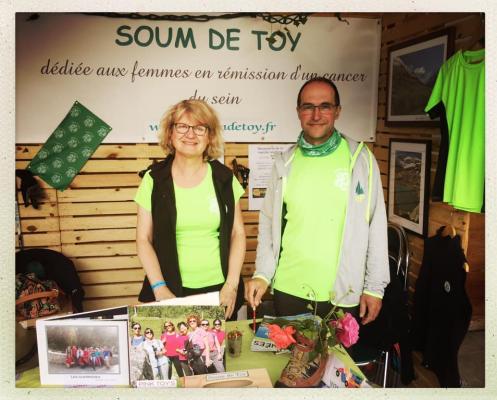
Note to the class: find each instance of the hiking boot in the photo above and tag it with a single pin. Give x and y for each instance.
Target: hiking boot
(301, 371)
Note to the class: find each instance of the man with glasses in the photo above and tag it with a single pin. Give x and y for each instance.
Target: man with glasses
(322, 227)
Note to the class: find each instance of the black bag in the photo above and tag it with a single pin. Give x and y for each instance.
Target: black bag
(53, 266)
(194, 356)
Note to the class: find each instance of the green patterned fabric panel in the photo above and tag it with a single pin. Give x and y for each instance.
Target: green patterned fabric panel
(69, 147)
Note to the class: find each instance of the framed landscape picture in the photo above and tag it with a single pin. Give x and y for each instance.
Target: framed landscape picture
(83, 352)
(412, 70)
(409, 164)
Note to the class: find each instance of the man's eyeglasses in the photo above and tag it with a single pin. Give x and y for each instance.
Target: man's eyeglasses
(182, 129)
(324, 108)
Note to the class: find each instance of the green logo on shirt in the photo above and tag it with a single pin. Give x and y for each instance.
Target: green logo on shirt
(359, 191)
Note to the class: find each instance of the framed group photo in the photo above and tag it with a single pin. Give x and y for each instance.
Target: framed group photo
(83, 352)
(412, 70)
(409, 164)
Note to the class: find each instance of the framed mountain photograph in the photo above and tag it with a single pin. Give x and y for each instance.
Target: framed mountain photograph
(412, 70)
(409, 184)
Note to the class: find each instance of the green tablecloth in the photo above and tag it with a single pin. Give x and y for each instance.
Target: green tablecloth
(28, 379)
(252, 359)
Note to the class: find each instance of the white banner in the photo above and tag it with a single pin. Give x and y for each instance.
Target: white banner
(128, 72)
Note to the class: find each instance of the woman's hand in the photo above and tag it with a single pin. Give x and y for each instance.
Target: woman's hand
(227, 297)
(163, 293)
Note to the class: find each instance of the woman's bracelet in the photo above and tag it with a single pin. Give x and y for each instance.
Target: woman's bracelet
(158, 284)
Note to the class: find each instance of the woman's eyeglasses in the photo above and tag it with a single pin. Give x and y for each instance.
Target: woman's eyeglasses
(148, 333)
(136, 328)
(217, 324)
(204, 324)
(192, 320)
(182, 129)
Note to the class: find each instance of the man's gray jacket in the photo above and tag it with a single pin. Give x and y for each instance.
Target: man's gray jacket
(363, 260)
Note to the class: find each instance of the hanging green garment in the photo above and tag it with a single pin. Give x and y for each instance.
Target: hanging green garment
(69, 147)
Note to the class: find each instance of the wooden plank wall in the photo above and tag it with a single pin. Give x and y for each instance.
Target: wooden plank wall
(93, 222)
(398, 28)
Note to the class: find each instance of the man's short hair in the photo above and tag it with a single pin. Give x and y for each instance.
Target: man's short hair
(324, 80)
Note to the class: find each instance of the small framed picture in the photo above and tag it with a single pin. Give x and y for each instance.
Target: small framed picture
(409, 164)
(83, 352)
(412, 70)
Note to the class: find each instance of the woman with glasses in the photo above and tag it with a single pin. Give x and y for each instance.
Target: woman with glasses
(169, 339)
(137, 338)
(181, 349)
(220, 334)
(198, 350)
(155, 350)
(190, 235)
(215, 354)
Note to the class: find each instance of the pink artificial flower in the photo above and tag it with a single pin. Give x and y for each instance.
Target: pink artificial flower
(282, 338)
(347, 330)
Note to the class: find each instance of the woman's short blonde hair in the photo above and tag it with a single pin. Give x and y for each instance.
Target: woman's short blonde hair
(204, 114)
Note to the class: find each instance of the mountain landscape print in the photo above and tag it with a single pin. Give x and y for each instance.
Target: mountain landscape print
(413, 77)
(413, 68)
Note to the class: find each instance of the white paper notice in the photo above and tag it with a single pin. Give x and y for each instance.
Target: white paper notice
(261, 158)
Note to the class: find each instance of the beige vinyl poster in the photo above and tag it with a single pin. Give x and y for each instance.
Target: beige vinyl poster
(130, 71)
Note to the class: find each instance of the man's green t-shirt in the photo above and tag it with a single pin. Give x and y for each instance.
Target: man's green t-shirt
(315, 196)
(460, 85)
(197, 228)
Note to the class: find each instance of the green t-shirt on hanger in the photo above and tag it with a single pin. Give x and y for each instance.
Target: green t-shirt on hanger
(460, 85)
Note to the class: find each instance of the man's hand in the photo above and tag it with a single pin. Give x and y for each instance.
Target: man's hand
(369, 308)
(254, 290)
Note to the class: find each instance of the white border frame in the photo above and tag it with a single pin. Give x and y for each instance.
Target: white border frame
(72, 379)
(440, 40)
(416, 147)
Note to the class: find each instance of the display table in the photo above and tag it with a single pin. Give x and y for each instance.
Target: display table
(251, 359)
(248, 359)
(274, 363)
